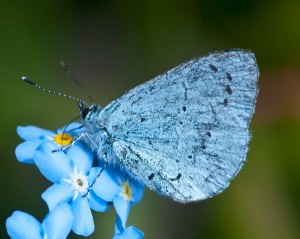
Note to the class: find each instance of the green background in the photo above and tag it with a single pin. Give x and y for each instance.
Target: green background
(112, 46)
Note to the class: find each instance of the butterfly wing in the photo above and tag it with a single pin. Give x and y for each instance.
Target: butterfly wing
(185, 133)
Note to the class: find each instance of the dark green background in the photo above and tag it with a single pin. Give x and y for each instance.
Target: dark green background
(111, 46)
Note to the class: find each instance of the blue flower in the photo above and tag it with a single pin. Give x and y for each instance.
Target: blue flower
(129, 233)
(70, 173)
(56, 225)
(126, 233)
(113, 185)
(76, 183)
(35, 136)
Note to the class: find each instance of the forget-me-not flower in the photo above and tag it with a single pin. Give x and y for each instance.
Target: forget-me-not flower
(56, 225)
(35, 136)
(70, 174)
(130, 232)
(113, 185)
(78, 183)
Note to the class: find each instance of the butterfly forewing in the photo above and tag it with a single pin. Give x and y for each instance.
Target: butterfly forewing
(185, 133)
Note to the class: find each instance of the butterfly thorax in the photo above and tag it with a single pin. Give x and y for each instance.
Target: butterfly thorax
(97, 136)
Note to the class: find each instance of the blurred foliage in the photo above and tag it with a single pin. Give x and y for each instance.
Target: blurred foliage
(112, 46)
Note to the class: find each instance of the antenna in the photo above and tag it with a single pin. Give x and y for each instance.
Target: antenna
(69, 74)
(24, 78)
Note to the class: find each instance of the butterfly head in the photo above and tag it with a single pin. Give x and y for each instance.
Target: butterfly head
(86, 109)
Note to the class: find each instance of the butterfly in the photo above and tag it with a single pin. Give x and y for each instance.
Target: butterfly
(185, 133)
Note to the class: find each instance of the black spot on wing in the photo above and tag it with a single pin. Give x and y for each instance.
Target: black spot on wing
(213, 67)
(229, 77)
(151, 176)
(228, 89)
(176, 178)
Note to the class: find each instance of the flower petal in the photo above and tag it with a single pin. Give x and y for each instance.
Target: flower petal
(118, 226)
(96, 203)
(30, 132)
(24, 151)
(137, 192)
(82, 157)
(130, 232)
(23, 225)
(106, 185)
(122, 208)
(53, 165)
(58, 223)
(58, 193)
(83, 218)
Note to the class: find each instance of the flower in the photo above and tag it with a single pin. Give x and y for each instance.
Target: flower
(126, 233)
(76, 183)
(56, 225)
(70, 173)
(35, 136)
(129, 233)
(113, 185)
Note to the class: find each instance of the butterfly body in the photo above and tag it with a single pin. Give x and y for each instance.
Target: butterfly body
(185, 133)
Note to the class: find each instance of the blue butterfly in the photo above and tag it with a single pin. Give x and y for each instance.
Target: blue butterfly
(185, 133)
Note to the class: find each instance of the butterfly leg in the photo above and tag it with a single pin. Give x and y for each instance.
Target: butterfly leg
(95, 179)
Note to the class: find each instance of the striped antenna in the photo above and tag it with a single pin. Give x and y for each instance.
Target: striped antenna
(69, 74)
(24, 78)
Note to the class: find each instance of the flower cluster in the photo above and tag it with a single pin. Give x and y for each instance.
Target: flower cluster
(78, 187)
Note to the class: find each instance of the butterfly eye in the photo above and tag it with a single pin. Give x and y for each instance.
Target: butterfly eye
(93, 108)
(84, 112)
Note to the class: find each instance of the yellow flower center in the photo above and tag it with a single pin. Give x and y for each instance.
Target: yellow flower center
(126, 191)
(63, 139)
